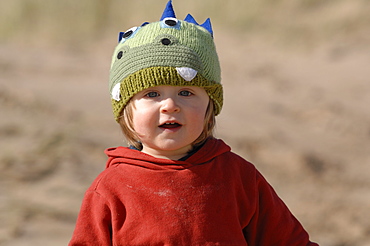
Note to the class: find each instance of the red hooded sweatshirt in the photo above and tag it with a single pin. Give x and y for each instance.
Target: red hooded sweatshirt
(215, 197)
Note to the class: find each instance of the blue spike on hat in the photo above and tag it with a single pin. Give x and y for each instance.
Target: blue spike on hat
(189, 18)
(120, 36)
(168, 11)
(208, 26)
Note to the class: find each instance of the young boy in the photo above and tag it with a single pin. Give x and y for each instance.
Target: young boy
(177, 184)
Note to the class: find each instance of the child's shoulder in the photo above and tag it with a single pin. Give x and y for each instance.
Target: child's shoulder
(227, 158)
(236, 161)
(107, 176)
(228, 153)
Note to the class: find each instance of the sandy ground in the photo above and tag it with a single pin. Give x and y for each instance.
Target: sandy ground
(301, 115)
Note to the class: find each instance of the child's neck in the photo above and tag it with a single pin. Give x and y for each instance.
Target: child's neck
(167, 154)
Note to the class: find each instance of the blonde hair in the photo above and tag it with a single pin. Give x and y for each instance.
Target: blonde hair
(126, 123)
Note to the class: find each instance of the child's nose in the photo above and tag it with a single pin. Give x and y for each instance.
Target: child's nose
(169, 105)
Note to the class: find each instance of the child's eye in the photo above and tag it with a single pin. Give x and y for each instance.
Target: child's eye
(152, 94)
(185, 93)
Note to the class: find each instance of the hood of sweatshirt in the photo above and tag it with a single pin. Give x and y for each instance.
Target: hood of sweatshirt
(123, 155)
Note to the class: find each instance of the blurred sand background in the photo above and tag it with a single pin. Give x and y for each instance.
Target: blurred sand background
(296, 77)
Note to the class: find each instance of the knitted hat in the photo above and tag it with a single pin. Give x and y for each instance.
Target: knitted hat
(168, 52)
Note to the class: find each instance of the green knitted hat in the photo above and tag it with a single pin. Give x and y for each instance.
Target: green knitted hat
(168, 52)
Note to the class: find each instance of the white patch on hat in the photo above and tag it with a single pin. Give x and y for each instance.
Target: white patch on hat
(116, 92)
(187, 73)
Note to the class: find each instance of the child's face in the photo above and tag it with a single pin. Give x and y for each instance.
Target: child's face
(168, 119)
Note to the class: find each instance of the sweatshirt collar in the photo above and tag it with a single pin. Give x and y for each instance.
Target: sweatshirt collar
(124, 155)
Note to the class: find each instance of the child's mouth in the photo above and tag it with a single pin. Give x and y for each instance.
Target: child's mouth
(171, 125)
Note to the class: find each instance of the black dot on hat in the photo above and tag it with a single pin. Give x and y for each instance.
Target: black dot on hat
(119, 55)
(165, 41)
(127, 34)
(170, 22)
